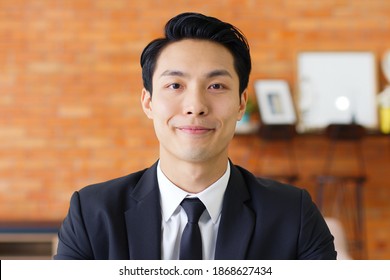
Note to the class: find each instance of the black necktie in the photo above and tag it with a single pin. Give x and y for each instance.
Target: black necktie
(191, 240)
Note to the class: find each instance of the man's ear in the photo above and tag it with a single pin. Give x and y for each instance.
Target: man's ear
(146, 102)
(243, 101)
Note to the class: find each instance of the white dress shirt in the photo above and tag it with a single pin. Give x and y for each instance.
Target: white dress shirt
(174, 218)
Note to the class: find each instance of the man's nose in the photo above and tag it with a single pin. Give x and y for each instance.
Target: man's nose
(196, 103)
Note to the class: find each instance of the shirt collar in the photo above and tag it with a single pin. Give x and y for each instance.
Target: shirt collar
(172, 196)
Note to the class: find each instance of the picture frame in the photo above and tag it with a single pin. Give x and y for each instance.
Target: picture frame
(275, 102)
(336, 87)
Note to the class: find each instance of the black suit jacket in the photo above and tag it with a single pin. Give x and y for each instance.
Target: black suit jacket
(261, 219)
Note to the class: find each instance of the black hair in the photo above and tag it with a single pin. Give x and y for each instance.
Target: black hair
(198, 26)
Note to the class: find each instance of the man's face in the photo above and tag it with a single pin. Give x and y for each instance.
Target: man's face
(195, 103)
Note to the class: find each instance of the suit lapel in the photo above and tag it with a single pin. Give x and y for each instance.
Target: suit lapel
(143, 218)
(237, 220)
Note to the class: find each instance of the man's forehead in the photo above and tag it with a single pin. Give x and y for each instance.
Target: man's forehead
(188, 56)
(195, 49)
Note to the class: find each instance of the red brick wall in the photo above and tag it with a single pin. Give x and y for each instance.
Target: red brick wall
(70, 81)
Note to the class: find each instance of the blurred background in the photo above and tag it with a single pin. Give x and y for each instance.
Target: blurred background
(70, 114)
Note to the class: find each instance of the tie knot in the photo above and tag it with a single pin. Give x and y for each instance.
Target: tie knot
(194, 209)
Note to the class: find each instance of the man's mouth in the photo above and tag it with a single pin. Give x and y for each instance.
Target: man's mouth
(190, 129)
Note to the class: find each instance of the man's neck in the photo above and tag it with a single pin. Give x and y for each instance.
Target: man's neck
(193, 177)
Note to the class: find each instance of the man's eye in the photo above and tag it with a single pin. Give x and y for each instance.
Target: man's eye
(175, 86)
(216, 86)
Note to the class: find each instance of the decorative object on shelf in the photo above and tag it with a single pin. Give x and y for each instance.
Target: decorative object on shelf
(384, 97)
(336, 87)
(275, 103)
(384, 110)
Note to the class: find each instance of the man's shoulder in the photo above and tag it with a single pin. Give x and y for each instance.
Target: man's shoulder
(259, 184)
(272, 194)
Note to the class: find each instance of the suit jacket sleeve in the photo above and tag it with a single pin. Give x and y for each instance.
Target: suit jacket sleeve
(73, 243)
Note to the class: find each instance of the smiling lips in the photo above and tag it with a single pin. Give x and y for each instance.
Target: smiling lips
(194, 129)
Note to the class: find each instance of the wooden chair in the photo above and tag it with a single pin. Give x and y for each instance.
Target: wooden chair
(284, 135)
(344, 188)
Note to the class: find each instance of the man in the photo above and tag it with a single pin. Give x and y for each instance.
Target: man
(195, 82)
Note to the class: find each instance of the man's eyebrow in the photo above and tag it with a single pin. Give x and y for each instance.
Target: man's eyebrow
(173, 73)
(219, 72)
(212, 74)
